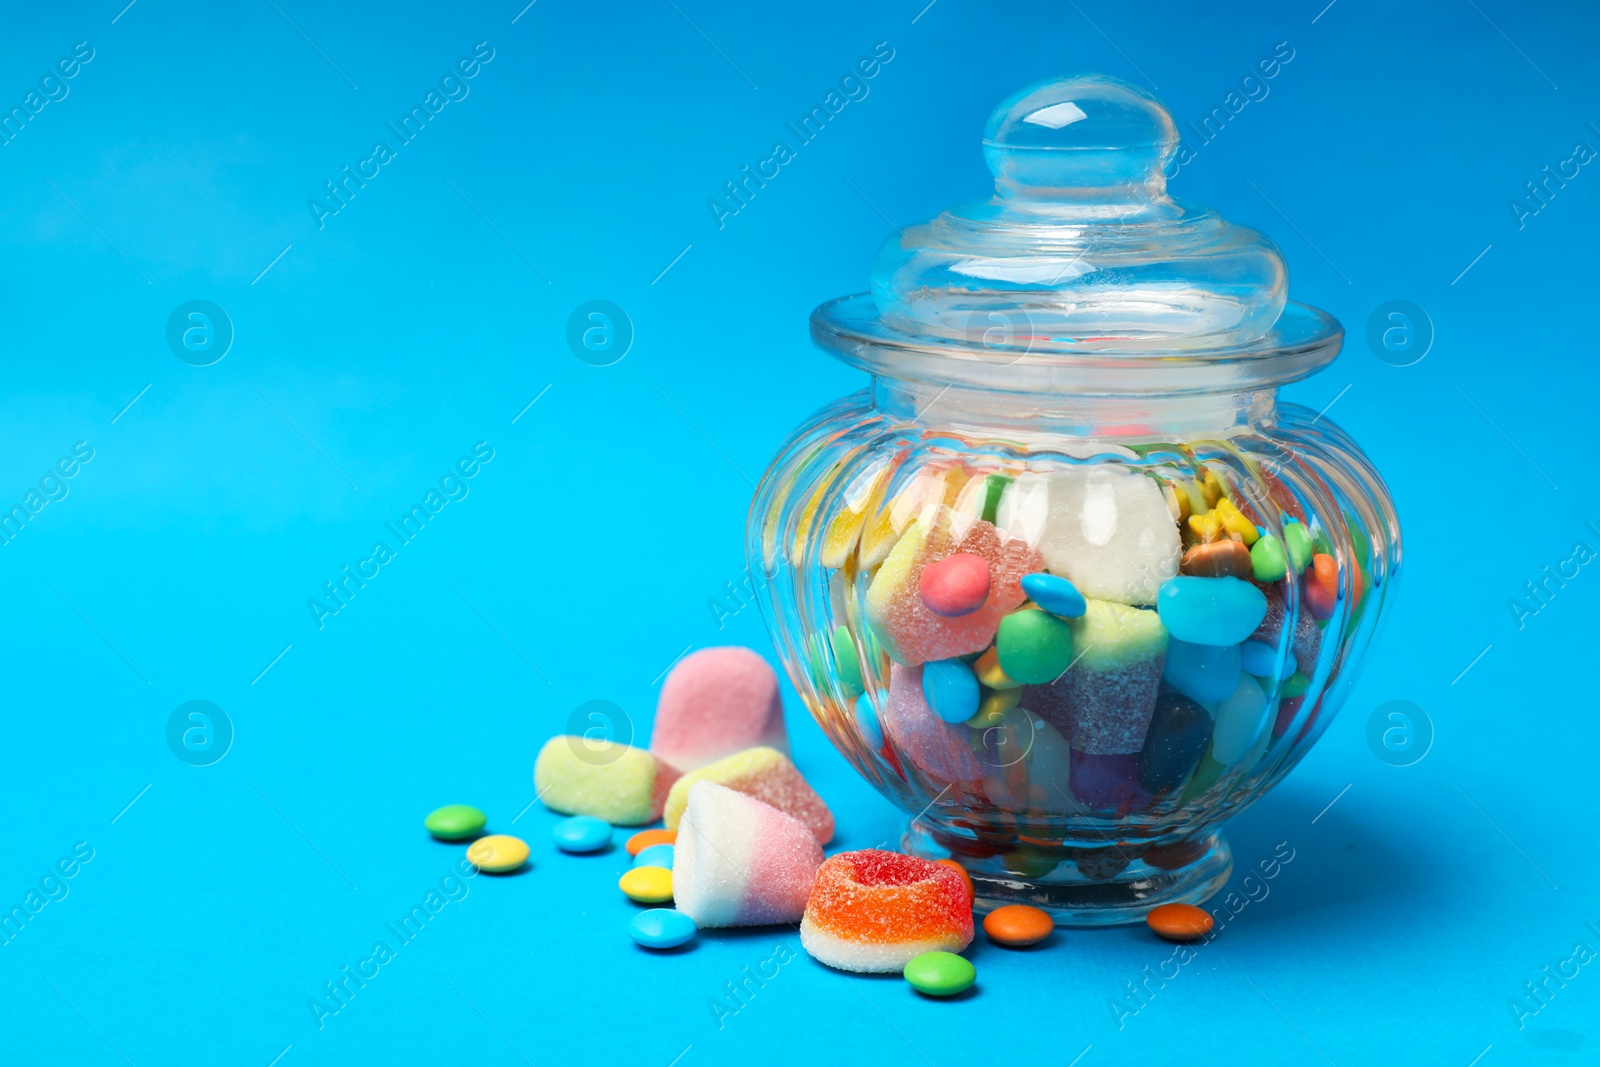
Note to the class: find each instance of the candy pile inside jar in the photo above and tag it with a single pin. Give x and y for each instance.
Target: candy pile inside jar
(1093, 638)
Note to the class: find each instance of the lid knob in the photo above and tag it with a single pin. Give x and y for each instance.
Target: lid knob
(1062, 137)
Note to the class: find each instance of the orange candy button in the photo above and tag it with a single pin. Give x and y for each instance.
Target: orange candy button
(1018, 925)
(1180, 922)
(645, 838)
(965, 877)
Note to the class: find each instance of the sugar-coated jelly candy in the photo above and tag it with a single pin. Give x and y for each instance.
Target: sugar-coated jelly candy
(1104, 528)
(907, 630)
(1112, 686)
(716, 702)
(763, 773)
(740, 862)
(614, 782)
(875, 911)
(937, 748)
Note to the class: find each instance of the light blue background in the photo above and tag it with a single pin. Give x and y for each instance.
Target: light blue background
(378, 349)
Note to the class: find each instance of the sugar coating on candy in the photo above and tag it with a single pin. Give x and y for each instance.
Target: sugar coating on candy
(739, 862)
(716, 702)
(939, 749)
(763, 773)
(620, 784)
(873, 912)
(1104, 528)
(909, 632)
(1112, 687)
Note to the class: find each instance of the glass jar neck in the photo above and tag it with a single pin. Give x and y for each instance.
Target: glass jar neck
(983, 411)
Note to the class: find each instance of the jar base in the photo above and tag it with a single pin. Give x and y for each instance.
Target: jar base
(1088, 886)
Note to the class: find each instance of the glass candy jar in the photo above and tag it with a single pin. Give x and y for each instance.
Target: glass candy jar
(1067, 583)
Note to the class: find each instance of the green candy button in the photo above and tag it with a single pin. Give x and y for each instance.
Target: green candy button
(455, 822)
(1034, 646)
(940, 974)
(1266, 558)
(1299, 545)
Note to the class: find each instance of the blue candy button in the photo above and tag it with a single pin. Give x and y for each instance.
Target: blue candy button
(654, 856)
(661, 927)
(1055, 594)
(951, 689)
(582, 833)
(1210, 611)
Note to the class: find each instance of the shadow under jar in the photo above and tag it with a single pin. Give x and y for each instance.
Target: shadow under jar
(1068, 584)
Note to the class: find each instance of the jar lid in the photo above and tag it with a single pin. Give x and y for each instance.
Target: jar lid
(1082, 262)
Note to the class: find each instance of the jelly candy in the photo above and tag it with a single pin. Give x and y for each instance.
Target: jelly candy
(873, 912)
(716, 702)
(936, 747)
(1105, 529)
(1112, 687)
(739, 862)
(763, 773)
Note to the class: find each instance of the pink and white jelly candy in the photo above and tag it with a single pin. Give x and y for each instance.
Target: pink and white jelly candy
(739, 862)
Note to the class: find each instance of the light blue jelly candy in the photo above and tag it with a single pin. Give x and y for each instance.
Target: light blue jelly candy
(867, 720)
(582, 833)
(1207, 673)
(654, 856)
(1210, 611)
(661, 927)
(951, 689)
(1240, 720)
(1055, 594)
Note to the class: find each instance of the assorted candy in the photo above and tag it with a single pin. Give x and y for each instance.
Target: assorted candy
(1098, 638)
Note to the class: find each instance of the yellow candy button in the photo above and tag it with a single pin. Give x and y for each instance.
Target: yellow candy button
(498, 853)
(647, 885)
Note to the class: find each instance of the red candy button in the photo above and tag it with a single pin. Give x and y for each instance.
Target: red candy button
(956, 585)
